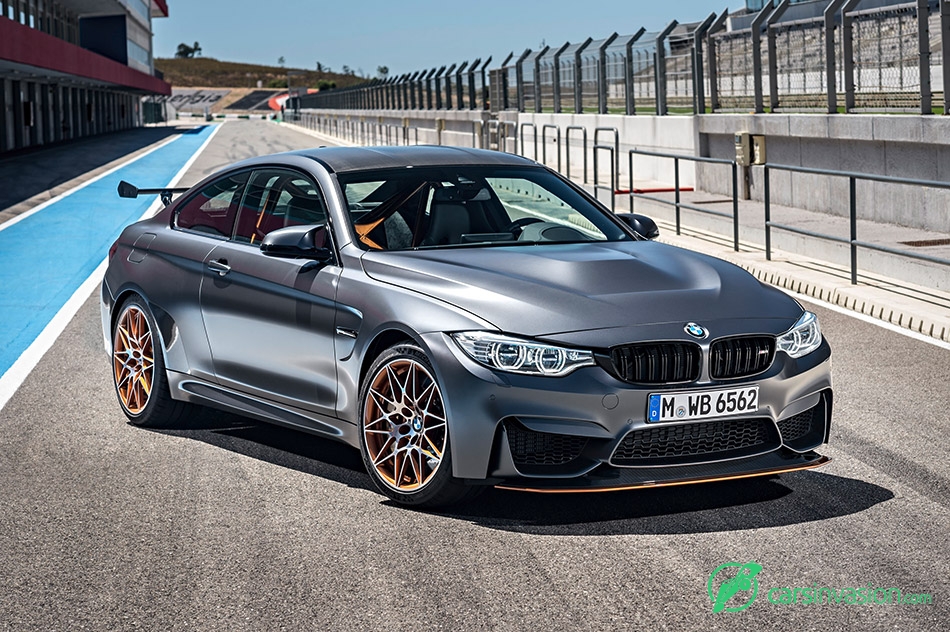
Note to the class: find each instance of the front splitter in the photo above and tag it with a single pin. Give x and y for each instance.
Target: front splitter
(620, 479)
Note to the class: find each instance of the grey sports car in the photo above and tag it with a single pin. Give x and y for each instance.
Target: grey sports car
(464, 318)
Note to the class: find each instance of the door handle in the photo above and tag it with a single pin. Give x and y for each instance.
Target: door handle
(220, 266)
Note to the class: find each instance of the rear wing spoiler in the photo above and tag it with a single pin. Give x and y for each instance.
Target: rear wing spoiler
(128, 190)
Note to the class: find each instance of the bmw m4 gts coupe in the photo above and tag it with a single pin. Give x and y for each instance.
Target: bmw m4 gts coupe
(464, 318)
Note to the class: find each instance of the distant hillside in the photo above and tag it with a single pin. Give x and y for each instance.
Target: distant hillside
(208, 72)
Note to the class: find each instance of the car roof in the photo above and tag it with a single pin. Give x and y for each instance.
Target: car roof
(345, 159)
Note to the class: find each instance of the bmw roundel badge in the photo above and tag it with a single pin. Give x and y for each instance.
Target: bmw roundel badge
(697, 331)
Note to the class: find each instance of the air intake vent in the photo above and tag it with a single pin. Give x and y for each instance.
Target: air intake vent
(657, 362)
(542, 448)
(692, 443)
(740, 357)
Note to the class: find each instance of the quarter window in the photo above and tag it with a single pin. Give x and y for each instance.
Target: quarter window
(275, 199)
(213, 210)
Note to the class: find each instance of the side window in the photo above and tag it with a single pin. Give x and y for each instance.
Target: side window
(213, 210)
(274, 199)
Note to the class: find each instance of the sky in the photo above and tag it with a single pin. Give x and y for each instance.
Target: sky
(404, 35)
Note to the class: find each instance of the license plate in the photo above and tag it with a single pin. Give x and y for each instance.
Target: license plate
(702, 404)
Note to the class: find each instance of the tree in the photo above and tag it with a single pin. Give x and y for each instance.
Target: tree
(319, 67)
(196, 50)
(382, 71)
(280, 61)
(323, 84)
(346, 70)
(185, 51)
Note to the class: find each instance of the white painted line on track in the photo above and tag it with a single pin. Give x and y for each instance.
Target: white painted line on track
(17, 374)
(40, 207)
(870, 319)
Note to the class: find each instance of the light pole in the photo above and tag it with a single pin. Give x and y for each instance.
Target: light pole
(295, 103)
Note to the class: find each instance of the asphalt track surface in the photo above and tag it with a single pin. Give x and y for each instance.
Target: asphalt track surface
(237, 525)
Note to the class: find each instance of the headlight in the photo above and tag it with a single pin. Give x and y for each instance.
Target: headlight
(514, 355)
(803, 338)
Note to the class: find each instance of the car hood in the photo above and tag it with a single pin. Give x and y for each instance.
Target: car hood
(552, 289)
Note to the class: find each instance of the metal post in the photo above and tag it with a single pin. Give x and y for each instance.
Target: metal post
(923, 40)
(459, 89)
(945, 49)
(567, 148)
(519, 78)
(853, 210)
(438, 88)
(757, 23)
(485, 104)
(472, 97)
(768, 213)
(847, 51)
(717, 26)
(411, 90)
(537, 78)
(602, 73)
(830, 67)
(699, 87)
(676, 192)
(503, 92)
(659, 68)
(448, 86)
(631, 106)
(773, 62)
(557, 77)
(544, 145)
(578, 88)
(735, 206)
(427, 84)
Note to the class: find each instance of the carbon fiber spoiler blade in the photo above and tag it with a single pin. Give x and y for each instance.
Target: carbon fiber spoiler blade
(129, 190)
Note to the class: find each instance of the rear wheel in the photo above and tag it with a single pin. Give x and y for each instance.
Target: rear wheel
(404, 431)
(138, 369)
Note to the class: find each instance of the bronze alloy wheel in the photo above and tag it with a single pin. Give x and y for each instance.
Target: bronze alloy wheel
(404, 425)
(133, 360)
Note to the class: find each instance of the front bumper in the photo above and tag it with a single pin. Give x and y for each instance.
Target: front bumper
(562, 434)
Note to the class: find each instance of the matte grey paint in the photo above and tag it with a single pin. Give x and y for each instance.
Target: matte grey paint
(275, 352)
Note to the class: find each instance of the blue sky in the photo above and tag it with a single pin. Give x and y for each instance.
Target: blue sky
(404, 35)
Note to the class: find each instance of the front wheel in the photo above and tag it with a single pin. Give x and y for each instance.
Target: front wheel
(404, 431)
(138, 369)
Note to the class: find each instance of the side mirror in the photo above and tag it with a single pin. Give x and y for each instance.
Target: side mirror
(298, 242)
(641, 225)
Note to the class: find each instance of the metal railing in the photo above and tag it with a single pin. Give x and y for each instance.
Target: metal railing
(495, 134)
(676, 203)
(853, 242)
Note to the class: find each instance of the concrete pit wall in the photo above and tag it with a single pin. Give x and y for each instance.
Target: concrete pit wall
(910, 146)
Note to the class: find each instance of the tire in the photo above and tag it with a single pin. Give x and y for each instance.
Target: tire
(404, 432)
(138, 370)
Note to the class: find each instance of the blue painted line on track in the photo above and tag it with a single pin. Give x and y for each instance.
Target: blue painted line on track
(46, 257)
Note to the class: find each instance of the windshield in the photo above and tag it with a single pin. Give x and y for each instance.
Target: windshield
(450, 207)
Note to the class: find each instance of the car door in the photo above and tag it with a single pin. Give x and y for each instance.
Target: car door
(270, 321)
(173, 259)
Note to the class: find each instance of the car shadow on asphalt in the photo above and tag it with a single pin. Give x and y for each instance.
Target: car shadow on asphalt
(283, 447)
(755, 503)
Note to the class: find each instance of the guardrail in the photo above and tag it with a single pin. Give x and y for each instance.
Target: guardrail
(676, 203)
(614, 151)
(853, 241)
(494, 134)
